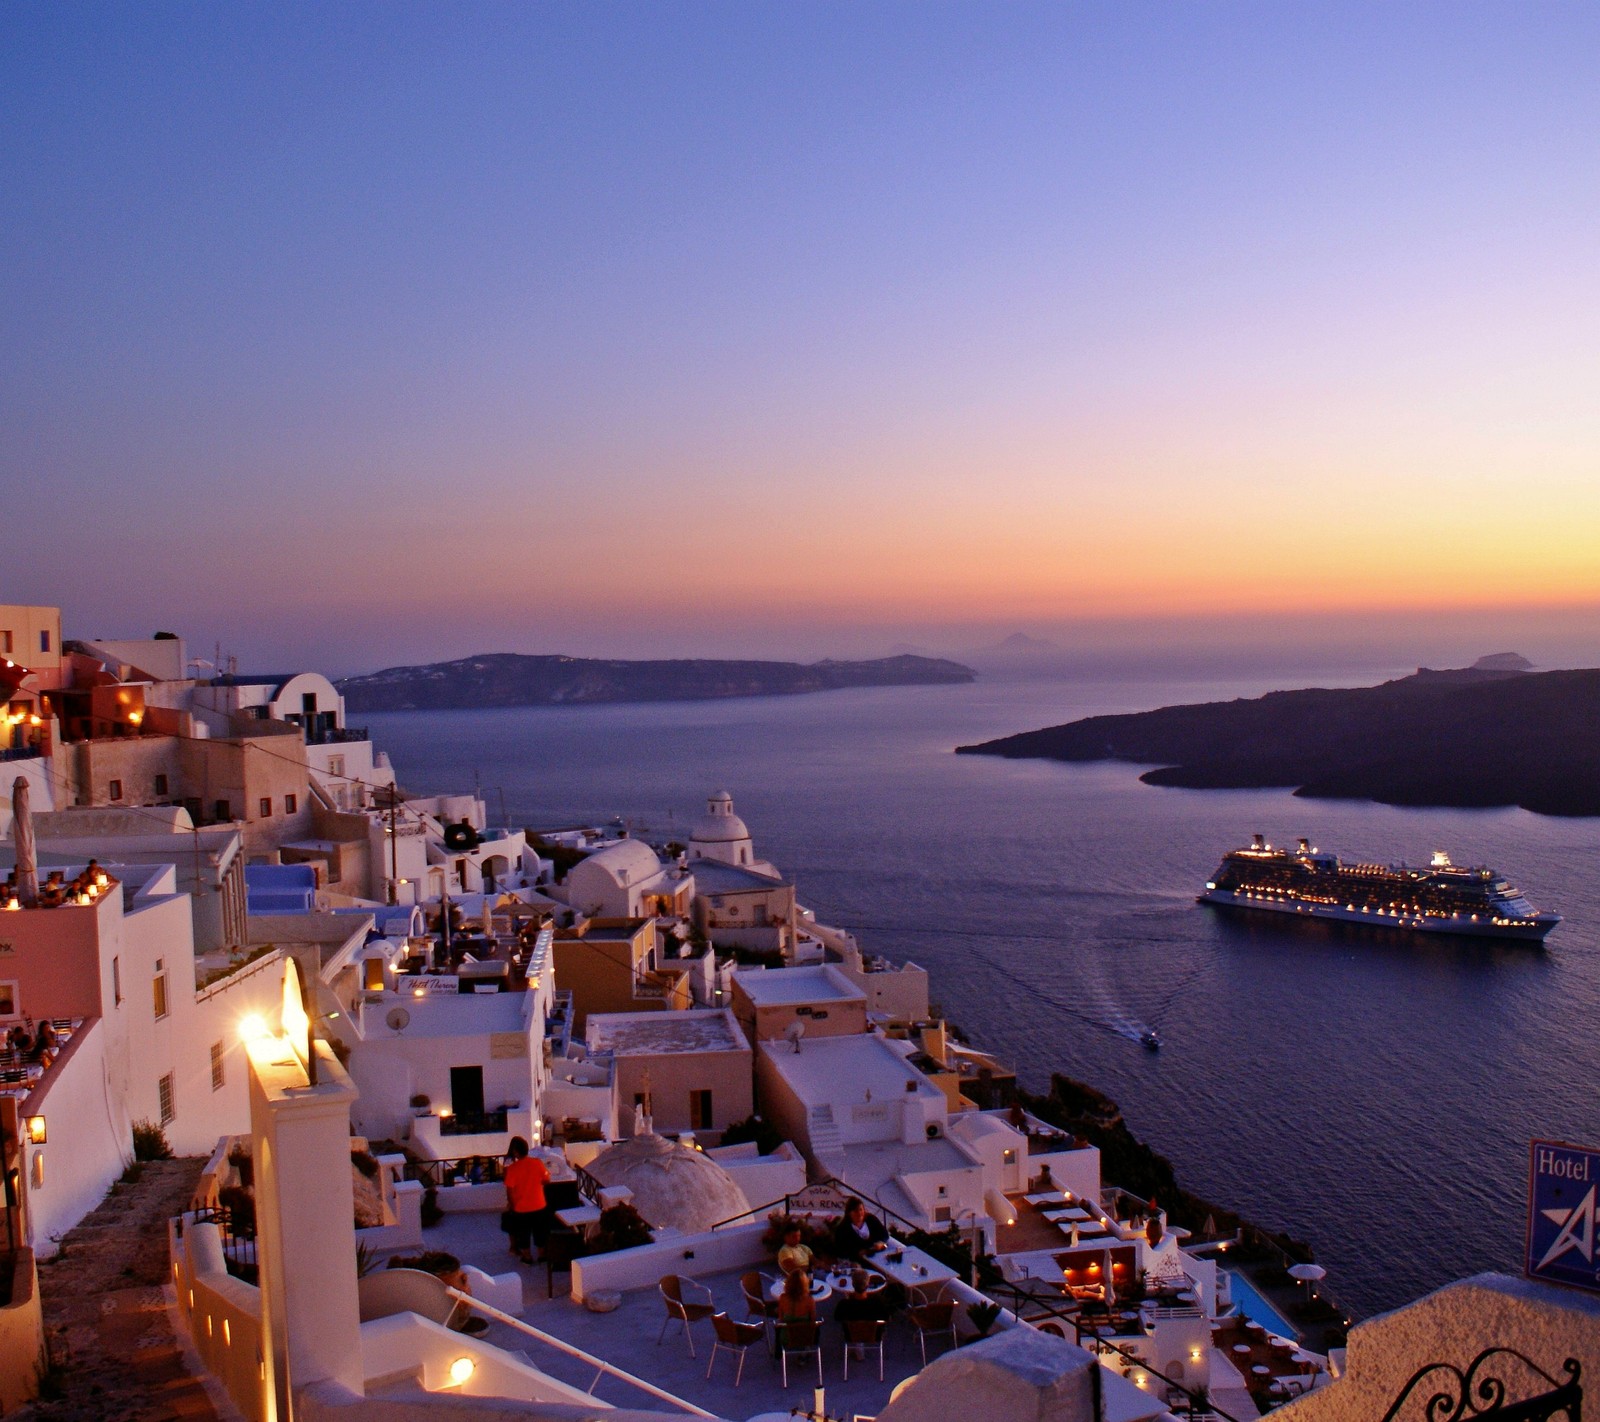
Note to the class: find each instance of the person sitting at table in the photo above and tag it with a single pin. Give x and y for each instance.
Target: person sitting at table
(858, 1234)
(860, 1306)
(795, 1304)
(794, 1257)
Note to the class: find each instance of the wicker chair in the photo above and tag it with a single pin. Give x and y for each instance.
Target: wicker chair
(733, 1337)
(796, 1340)
(932, 1318)
(681, 1310)
(866, 1334)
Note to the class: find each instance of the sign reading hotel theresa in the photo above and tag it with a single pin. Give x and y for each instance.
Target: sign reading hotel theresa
(1562, 1185)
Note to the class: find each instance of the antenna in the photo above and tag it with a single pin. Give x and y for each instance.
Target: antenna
(398, 1019)
(794, 1032)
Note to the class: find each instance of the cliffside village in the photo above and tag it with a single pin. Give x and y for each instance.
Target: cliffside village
(227, 927)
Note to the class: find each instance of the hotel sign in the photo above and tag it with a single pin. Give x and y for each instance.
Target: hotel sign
(1562, 1185)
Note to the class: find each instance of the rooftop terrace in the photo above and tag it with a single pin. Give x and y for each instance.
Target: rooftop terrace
(626, 1338)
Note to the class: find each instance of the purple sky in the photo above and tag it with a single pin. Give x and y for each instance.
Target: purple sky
(363, 334)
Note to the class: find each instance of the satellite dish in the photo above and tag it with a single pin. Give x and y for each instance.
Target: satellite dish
(794, 1032)
(398, 1019)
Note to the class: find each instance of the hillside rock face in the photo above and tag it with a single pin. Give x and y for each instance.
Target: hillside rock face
(1473, 738)
(509, 679)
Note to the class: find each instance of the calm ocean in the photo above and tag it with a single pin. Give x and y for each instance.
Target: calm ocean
(1372, 1094)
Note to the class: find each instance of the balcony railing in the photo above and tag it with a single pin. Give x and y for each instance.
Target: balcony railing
(336, 735)
(483, 1123)
(21, 753)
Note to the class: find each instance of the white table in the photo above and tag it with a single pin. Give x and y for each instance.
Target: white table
(579, 1216)
(912, 1268)
(820, 1289)
(1049, 1197)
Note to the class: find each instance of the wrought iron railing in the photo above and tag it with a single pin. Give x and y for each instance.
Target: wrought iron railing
(460, 1170)
(238, 1233)
(1445, 1393)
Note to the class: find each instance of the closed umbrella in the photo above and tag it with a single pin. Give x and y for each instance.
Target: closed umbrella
(22, 842)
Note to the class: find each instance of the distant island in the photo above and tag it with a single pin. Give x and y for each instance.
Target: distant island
(510, 679)
(1489, 735)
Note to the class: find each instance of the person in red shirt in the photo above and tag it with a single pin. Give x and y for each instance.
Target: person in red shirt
(526, 1218)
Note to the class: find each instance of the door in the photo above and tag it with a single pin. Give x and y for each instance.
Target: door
(466, 1092)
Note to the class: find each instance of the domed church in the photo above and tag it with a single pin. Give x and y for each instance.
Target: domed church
(720, 835)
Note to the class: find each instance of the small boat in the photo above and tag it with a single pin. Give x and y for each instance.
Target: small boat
(1150, 1039)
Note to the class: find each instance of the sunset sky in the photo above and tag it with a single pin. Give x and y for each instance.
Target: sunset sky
(358, 334)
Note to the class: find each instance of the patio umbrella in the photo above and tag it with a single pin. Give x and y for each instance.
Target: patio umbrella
(1307, 1274)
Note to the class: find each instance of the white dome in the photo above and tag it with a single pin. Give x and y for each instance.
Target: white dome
(673, 1187)
(628, 863)
(719, 824)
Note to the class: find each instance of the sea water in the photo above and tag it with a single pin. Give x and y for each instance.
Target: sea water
(1372, 1093)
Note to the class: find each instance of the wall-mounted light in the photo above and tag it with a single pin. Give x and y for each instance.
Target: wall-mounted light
(462, 1369)
(33, 1128)
(252, 1028)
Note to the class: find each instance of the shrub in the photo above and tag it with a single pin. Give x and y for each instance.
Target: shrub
(753, 1128)
(150, 1142)
(779, 1224)
(621, 1227)
(365, 1162)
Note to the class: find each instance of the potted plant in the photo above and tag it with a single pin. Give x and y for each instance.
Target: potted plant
(421, 1104)
(243, 1162)
(983, 1316)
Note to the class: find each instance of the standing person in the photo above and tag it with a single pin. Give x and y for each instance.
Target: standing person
(525, 1216)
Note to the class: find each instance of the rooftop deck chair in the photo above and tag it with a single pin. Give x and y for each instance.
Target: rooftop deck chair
(796, 1340)
(734, 1337)
(866, 1334)
(758, 1290)
(932, 1318)
(685, 1311)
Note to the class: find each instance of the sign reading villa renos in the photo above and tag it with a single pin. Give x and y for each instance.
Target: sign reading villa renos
(1562, 1181)
(825, 1199)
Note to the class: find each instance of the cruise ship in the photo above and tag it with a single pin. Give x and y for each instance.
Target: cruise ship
(1442, 898)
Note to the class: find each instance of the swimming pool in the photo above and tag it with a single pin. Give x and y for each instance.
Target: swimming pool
(1251, 1304)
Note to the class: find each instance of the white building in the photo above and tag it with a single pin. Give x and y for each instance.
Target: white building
(627, 880)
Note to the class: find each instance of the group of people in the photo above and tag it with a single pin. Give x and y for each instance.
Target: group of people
(854, 1239)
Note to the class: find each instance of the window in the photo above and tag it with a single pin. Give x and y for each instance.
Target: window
(8, 999)
(159, 992)
(114, 789)
(116, 982)
(700, 1111)
(44, 641)
(7, 643)
(266, 807)
(224, 810)
(216, 1066)
(291, 803)
(336, 766)
(161, 785)
(164, 1090)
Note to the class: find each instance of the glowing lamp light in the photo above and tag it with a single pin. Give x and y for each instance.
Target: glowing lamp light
(461, 1370)
(135, 717)
(253, 1028)
(445, 1113)
(33, 1128)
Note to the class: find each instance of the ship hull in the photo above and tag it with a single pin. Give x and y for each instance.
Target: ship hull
(1394, 922)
